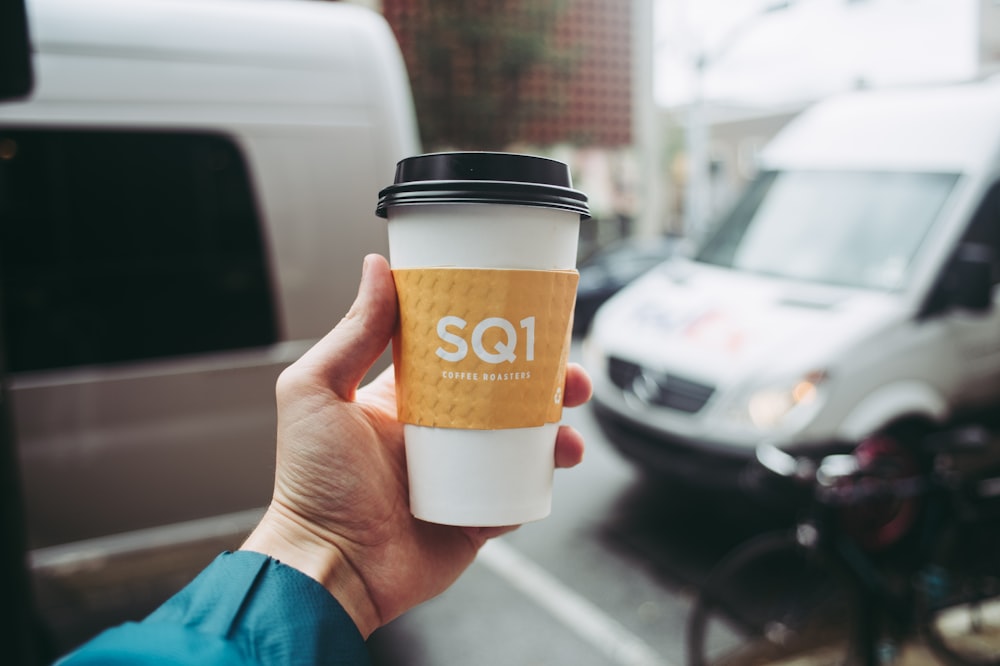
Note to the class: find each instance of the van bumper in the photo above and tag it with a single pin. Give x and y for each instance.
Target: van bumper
(695, 462)
(672, 457)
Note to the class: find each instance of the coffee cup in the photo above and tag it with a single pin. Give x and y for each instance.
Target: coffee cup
(483, 249)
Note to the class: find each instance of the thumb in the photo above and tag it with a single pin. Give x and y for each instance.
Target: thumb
(342, 357)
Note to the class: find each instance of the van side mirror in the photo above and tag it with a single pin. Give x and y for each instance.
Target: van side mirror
(16, 75)
(970, 286)
(16, 80)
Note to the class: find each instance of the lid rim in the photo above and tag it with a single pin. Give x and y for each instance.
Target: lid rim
(576, 204)
(569, 206)
(483, 177)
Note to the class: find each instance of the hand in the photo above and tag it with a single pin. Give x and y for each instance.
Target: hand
(340, 510)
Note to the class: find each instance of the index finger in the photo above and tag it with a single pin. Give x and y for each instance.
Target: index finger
(578, 385)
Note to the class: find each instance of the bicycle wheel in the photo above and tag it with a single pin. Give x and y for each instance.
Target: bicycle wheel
(958, 597)
(775, 602)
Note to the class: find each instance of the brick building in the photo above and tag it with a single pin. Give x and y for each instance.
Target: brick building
(586, 102)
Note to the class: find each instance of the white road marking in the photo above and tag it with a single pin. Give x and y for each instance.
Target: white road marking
(575, 612)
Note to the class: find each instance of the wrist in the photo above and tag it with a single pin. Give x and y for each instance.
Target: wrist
(281, 537)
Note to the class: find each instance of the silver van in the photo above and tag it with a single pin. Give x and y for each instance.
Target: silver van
(851, 290)
(185, 201)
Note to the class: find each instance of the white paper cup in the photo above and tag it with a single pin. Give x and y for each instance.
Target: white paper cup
(475, 220)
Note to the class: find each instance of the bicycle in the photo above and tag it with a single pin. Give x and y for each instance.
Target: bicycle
(895, 543)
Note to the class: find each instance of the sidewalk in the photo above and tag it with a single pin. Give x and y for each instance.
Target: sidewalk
(917, 654)
(976, 630)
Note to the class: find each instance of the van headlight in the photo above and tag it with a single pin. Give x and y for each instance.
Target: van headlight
(781, 404)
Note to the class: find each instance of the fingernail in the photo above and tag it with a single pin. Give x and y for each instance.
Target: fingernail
(364, 267)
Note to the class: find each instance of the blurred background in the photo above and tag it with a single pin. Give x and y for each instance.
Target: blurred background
(237, 115)
(653, 101)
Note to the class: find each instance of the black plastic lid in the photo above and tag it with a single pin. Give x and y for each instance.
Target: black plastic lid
(483, 177)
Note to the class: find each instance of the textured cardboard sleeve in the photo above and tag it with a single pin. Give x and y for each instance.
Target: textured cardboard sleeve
(482, 349)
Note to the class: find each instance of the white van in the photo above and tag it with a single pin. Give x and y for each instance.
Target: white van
(850, 290)
(186, 199)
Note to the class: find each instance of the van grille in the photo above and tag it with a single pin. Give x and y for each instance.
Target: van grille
(658, 388)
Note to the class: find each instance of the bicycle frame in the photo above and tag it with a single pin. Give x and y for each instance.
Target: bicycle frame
(942, 501)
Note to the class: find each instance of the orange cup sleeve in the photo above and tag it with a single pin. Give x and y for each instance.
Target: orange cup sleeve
(482, 349)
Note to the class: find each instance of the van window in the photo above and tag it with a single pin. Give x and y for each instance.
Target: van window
(985, 228)
(957, 280)
(119, 246)
(856, 229)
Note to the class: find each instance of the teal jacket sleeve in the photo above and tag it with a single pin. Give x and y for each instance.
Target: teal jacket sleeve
(243, 609)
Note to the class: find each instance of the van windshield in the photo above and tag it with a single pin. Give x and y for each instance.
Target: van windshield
(856, 229)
